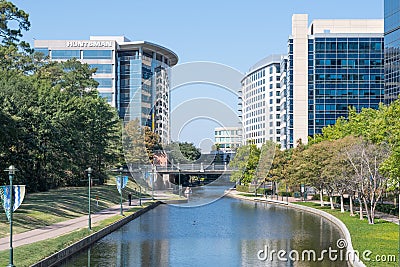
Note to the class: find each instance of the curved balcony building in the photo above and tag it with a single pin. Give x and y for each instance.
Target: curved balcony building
(133, 76)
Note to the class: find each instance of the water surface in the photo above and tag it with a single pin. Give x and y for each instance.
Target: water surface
(227, 232)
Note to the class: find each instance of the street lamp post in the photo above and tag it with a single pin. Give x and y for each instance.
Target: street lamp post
(152, 181)
(287, 196)
(179, 179)
(140, 195)
(140, 188)
(89, 171)
(120, 191)
(11, 171)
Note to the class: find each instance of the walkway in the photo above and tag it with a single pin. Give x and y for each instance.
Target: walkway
(380, 215)
(68, 226)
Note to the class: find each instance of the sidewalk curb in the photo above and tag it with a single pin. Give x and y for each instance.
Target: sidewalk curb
(61, 255)
(356, 262)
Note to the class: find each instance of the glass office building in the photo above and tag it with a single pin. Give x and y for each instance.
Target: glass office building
(133, 76)
(392, 50)
(331, 65)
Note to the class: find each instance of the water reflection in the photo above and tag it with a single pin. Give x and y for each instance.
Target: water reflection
(227, 232)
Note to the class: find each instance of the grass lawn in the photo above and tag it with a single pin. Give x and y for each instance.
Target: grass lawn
(46, 208)
(42, 249)
(382, 238)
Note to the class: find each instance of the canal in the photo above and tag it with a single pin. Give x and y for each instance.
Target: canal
(226, 232)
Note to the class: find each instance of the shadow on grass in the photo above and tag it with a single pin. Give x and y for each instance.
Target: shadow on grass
(46, 208)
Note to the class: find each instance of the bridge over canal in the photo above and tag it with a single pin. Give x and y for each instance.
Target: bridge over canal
(165, 177)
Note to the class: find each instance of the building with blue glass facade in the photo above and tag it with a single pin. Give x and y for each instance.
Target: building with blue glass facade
(331, 65)
(133, 76)
(392, 50)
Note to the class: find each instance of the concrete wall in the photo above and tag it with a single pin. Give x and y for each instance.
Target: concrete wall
(346, 234)
(300, 77)
(58, 257)
(347, 26)
(342, 227)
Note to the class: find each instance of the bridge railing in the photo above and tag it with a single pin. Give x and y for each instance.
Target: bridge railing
(195, 167)
(181, 167)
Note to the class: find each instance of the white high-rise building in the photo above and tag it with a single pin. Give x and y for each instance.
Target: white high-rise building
(261, 102)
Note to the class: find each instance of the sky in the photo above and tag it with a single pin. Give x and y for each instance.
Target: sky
(234, 33)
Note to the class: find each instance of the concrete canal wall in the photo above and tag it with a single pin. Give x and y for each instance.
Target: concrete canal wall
(354, 262)
(58, 257)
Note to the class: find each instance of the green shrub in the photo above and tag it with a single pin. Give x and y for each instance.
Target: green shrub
(387, 208)
(289, 194)
(263, 191)
(242, 188)
(250, 189)
(316, 197)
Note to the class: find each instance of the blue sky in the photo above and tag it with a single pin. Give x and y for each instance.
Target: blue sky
(235, 33)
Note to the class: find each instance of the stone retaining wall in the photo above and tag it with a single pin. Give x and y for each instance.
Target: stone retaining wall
(56, 258)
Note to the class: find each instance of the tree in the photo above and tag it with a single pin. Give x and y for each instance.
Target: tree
(182, 152)
(55, 124)
(19, 21)
(279, 170)
(151, 142)
(265, 161)
(246, 161)
(366, 159)
(311, 168)
(133, 144)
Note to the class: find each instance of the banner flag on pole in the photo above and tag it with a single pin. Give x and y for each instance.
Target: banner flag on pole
(18, 195)
(121, 183)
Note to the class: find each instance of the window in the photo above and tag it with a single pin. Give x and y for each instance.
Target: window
(97, 54)
(104, 82)
(44, 51)
(65, 54)
(106, 96)
(102, 68)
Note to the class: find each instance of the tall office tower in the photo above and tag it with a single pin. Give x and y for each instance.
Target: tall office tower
(392, 50)
(133, 76)
(332, 64)
(261, 102)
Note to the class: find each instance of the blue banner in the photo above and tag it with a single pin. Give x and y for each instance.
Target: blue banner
(18, 196)
(122, 181)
